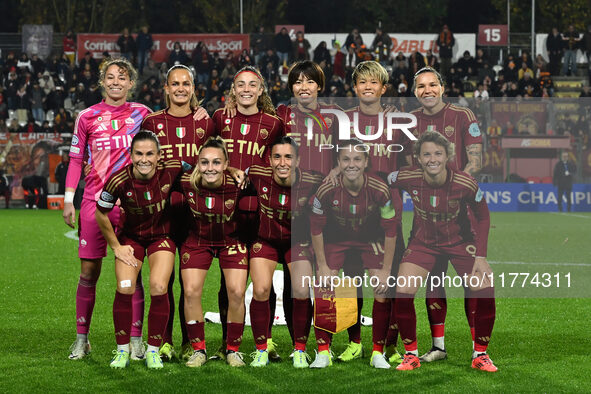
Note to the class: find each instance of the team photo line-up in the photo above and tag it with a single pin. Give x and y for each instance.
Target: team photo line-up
(247, 187)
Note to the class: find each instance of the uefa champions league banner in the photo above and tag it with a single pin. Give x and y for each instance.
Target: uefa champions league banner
(526, 197)
(223, 44)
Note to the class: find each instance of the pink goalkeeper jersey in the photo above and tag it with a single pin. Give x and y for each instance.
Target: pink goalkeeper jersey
(102, 136)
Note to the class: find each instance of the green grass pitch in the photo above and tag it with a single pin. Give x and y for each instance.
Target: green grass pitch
(539, 344)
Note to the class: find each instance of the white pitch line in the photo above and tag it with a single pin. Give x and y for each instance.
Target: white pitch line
(571, 214)
(550, 264)
(72, 234)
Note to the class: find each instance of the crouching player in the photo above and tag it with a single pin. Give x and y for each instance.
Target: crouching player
(442, 196)
(143, 187)
(213, 197)
(357, 217)
(276, 187)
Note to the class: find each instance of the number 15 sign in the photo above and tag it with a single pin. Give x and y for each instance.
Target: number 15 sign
(492, 35)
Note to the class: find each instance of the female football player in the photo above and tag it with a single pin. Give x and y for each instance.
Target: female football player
(442, 196)
(143, 188)
(182, 128)
(102, 135)
(247, 135)
(280, 189)
(213, 198)
(356, 217)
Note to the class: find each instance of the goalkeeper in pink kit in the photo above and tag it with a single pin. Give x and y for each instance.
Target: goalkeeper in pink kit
(102, 136)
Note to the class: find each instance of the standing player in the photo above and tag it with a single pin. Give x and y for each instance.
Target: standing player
(213, 198)
(442, 196)
(356, 217)
(247, 136)
(143, 188)
(276, 188)
(460, 127)
(306, 80)
(102, 135)
(180, 135)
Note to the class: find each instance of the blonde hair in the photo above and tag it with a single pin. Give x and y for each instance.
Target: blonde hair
(212, 142)
(122, 63)
(194, 102)
(264, 102)
(370, 69)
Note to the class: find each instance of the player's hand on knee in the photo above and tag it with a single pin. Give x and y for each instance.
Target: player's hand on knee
(125, 254)
(483, 272)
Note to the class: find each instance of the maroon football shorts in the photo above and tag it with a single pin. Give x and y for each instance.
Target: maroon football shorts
(279, 252)
(200, 257)
(461, 256)
(372, 253)
(142, 249)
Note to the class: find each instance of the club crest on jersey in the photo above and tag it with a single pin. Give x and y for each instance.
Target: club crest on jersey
(200, 132)
(282, 199)
(181, 132)
(264, 133)
(434, 201)
(453, 203)
(148, 196)
(229, 203)
(209, 202)
(115, 124)
(303, 201)
(129, 121)
(165, 188)
(449, 131)
(257, 247)
(244, 129)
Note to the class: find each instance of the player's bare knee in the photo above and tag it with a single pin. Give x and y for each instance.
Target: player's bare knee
(261, 292)
(158, 287)
(236, 295)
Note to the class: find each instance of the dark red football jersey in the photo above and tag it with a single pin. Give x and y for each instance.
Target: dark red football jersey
(145, 202)
(440, 213)
(307, 183)
(367, 217)
(213, 210)
(247, 136)
(313, 132)
(383, 154)
(457, 124)
(180, 138)
(274, 205)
